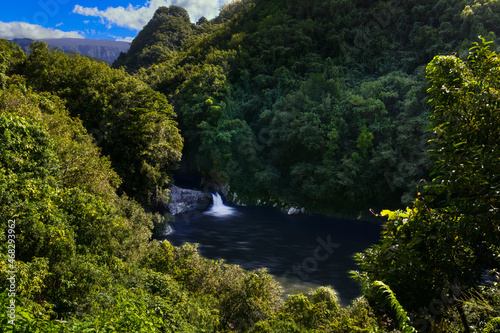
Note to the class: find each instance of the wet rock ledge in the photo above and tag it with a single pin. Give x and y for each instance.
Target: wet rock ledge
(183, 200)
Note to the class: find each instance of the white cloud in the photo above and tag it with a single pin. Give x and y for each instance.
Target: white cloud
(90, 32)
(11, 30)
(59, 24)
(136, 17)
(129, 17)
(126, 39)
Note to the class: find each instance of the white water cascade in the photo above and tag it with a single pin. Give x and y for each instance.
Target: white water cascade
(219, 209)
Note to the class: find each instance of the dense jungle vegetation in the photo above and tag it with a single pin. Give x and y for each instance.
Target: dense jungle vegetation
(332, 105)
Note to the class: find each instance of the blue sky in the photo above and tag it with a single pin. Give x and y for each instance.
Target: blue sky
(100, 19)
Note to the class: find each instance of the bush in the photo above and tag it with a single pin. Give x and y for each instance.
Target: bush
(243, 297)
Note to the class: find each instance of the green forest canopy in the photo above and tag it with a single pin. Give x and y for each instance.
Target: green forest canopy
(321, 104)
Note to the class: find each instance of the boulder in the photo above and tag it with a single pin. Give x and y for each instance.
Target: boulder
(296, 211)
(183, 200)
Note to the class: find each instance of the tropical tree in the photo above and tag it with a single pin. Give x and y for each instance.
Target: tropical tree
(440, 247)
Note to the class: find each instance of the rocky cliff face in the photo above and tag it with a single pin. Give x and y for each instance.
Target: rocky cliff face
(183, 200)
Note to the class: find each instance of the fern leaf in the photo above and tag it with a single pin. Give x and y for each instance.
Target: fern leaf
(492, 325)
(401, 314)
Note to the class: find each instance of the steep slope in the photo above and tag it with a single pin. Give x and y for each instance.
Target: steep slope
(320, 103)
(164, 33)
(131, 123)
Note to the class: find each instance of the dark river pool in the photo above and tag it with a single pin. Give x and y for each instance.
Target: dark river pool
(302, 251)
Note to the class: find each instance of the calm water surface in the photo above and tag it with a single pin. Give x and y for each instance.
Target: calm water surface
(302, 251)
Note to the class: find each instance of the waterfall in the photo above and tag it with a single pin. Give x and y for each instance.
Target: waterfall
(168, 230)
(218, 208)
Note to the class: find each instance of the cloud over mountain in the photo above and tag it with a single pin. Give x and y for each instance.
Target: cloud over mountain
(11, 30)
(136, 17)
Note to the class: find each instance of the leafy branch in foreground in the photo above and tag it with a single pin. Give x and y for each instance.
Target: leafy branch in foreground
(440, 247)
(401, 314)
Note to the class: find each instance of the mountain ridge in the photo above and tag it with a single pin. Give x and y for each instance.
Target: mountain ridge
(105, 49)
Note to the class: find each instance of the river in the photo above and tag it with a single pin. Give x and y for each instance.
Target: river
(302, 251)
